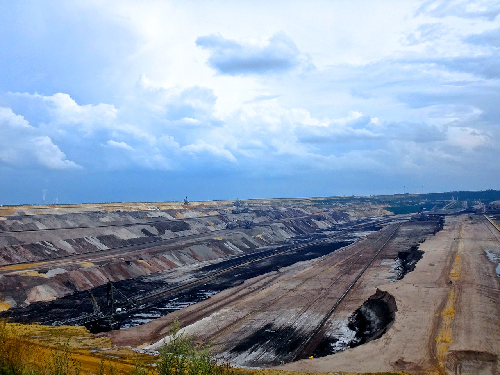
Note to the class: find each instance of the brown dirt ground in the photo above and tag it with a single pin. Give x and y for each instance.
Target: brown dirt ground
(297, 296)
(448, 318)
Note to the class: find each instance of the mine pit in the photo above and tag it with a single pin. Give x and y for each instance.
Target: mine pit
(266, 285)
(312, 267)
(290, 318)
(406, 261)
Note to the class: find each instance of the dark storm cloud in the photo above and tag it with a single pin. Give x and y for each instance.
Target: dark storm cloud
(234, 58)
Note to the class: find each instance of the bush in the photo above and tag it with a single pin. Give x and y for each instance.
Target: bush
(180, 356)
(19, 356)
(61, 363)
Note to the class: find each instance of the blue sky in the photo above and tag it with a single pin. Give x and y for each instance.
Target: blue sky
(154, 100)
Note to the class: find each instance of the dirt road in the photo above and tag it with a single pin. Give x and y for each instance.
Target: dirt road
(284, 315)
(448, 317)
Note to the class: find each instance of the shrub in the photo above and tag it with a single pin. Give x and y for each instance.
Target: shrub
(61, 363)
(181, 356)
(19, 356)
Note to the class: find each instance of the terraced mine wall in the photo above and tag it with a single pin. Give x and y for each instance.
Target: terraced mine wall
(44, 257)
(146, 298)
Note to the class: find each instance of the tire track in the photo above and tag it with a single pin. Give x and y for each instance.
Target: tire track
(284, 334)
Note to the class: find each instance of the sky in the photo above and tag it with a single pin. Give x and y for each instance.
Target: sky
(109, 101)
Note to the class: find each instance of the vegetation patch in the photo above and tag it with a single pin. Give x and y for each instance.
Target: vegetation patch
(44, 350)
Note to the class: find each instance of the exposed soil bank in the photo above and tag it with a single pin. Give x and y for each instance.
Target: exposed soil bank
(369, 322)
(373, 318)
(472, 362)
(406, 261)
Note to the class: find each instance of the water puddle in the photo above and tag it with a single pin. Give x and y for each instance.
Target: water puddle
(494, 258)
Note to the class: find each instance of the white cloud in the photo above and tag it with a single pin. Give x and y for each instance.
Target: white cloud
(466, 138)
(425, 33)
(201, 148)
(66, 111)
(21, 145)
(49, 155)
(61, 112)
(488, 9)
(120, 145)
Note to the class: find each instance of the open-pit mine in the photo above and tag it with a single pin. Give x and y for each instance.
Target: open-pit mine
(309, 285)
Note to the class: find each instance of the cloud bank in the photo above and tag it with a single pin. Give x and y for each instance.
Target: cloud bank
(161, 101)
(21, 145)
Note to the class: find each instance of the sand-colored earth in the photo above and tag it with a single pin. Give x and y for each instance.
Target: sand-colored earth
(448, 317)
